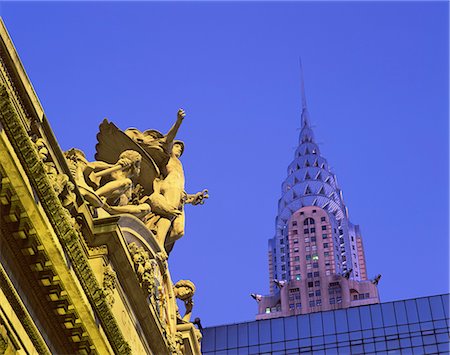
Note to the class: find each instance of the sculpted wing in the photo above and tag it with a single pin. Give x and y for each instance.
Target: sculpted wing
(112, 142)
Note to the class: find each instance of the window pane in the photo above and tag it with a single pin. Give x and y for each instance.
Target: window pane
(232, 336)
(243, 351)
(388, 314)
(366, 319)
(264, 331)
(446, 306)
(290, 328)
(411, 311)
(423, 307)
(253, 333)
(353, 319)
(277, 329)
(221, 338)
(208, 340)
(375, 312)
(316, 324)
(243, 334)
(400, 312)
(341, 321)
(303, 326)
(437, 308)
(328, 323)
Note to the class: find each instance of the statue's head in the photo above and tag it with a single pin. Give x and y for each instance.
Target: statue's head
(184, 289)
(178, 148)
(136, 158)
(76, 155)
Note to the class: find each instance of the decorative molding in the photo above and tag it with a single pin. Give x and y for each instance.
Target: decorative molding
(68, 236)
(22, 314)
(109, 284)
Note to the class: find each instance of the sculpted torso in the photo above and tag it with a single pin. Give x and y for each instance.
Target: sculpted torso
(172, 187)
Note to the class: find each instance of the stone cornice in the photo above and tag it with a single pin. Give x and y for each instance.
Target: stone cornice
(59, 220)
(22, 314)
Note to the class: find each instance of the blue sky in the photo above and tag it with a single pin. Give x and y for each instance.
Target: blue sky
(376, 77)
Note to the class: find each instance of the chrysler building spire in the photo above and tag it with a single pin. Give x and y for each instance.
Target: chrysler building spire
(316, 253)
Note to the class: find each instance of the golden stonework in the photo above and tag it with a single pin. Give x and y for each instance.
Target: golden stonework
(85, 244)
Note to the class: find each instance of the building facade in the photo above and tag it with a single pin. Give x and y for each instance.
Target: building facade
(413, 326)
(83, 253)
(316, 258)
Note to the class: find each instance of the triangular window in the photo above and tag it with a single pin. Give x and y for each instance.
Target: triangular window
(323, 166)
(314, 202)
(322, 191)
(307, 177)
(294, 195)
(307, 191)
(316, 164)
(306, 151)
(319, 176)
(307, 163)
(295, 180)
(326, 206)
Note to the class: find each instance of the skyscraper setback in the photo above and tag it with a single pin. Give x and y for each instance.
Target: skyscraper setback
(316, 259)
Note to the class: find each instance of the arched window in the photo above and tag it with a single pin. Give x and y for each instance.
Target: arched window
(309, 221)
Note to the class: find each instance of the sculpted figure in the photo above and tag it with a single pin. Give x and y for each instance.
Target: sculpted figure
(112, 183)
(168, 199)
(157, 145)
(60, 182)
(162, 176)
(184, 290)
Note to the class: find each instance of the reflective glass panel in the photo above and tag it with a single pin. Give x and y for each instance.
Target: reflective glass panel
(304, 342)
(317, 340)
(437, 308)
(446, 306)
(366, 319)
(277, 329)
(316, 324)
(354, 323)
(221, 338)
(290, 328)
(341, 321)
(208, 342)
(278, 346)
(400, 312)
(355, 335)
(328, 323)
(253, 338)
(423, 307)
(375, 312)
(293, 344)
(264, 331)
(243, 334)
(303, 326)
(253, 350)
(411, 311)
(232, 336)
(388, 314)
(265, 348)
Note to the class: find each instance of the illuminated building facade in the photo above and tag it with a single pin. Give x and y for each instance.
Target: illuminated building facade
(316, 259)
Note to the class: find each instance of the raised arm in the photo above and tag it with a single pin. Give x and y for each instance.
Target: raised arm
(170, 136)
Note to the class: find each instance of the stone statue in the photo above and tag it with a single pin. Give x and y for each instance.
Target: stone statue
(168, 199)
(184, 290)
(109, 186)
